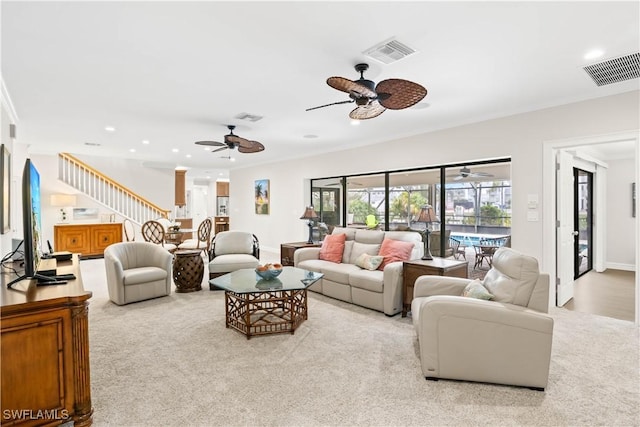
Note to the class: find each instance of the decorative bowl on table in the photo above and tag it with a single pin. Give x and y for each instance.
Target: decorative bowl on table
(269, 271)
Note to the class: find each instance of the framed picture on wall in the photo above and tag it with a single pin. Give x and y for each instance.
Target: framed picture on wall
(5, 183)
(261, 188)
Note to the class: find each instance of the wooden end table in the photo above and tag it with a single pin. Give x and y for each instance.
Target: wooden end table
(287, 250)
(188, 270)
(413, 269)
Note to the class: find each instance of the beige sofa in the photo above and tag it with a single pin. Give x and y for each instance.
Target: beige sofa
(505, 341)
(377, 290)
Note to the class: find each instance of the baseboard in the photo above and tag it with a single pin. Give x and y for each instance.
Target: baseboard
(620, 266)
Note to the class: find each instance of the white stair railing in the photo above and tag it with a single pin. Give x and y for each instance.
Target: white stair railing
(106, 191)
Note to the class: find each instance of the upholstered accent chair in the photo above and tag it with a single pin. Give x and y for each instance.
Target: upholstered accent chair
(505, 340)
(137, 271)
(231, 251)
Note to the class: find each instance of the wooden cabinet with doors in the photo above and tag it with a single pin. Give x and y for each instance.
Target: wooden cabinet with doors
(181, 187)
(222, 189)
(88, 240)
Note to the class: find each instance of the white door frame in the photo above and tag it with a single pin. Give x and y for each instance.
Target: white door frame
(549, 203)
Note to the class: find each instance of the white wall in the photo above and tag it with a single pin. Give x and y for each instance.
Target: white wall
(621, 225)
(519, 137)
(5, 121)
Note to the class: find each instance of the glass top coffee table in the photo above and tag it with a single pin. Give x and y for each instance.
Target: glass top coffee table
(254, 306)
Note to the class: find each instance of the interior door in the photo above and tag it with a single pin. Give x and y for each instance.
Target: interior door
(565, 233)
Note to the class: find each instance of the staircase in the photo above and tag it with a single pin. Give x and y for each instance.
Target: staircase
(106, 191)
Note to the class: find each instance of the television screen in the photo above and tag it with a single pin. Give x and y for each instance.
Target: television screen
(31, 222)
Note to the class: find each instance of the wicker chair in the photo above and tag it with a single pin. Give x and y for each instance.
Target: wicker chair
(129, 230)
(203, 242)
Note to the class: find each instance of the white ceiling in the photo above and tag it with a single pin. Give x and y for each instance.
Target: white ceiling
(177, 72)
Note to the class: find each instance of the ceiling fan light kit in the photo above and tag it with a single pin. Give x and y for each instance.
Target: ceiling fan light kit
(371, 99)
(233, 141)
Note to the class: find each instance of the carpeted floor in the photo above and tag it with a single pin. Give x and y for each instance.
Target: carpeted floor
(171, 362)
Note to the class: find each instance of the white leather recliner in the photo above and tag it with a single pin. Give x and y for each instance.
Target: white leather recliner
(503, 341)
(137, 271)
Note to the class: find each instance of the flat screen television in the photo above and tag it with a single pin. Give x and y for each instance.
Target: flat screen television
(31, 223)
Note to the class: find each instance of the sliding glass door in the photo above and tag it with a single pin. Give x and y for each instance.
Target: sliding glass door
(583, 221)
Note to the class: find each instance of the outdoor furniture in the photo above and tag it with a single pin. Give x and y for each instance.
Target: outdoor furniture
(154, 232)
(137, 271)
(483, 252)
(458, 248)
(506, 340)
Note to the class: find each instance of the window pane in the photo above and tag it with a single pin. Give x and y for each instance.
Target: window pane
(366, 198)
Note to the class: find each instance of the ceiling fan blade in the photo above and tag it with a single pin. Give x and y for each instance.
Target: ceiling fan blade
(348, 86)
(220, 149)
(255, 147)
(459, 177)
(480, 174)
(369, 111)
(327, 105)
(210, 143)
(398, 94)
(239, 141)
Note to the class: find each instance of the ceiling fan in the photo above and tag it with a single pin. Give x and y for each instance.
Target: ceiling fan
(232, 141)
(371, 99)
(465, 172)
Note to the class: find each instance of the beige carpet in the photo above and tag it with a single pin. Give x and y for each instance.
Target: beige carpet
(171, 362)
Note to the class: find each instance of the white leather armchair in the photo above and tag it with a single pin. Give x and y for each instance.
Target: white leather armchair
(137, 271)
(231, 251)
(504, 341)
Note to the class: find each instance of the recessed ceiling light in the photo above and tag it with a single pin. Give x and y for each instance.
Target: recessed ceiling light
(109, 128)
(310, 136)
(175, 150)
(593, 54)
(188, 156)
(132, 150)
(145, 141)
(233, 159)
(220, 174)
(207, 149)
(208, 177)
(355, 122)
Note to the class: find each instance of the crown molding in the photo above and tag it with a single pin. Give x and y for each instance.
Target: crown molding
(7, 104)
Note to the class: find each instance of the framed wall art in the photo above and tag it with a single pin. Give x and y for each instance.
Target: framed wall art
(261, 188)
(5, 183)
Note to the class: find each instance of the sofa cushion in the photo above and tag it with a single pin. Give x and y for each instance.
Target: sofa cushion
(362, 248)
(394, 250)
(233, 242)
(475, 290)
(349, 232)
(338, 273)
(332, 248)
(369, 236)
(312, 265)
(346, 255)
(369, 262)
(368, 280)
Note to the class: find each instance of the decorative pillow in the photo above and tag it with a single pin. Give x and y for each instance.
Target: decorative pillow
(332, 248)
(362, 248)
(369, 262)
(475, 290)
(394, 250)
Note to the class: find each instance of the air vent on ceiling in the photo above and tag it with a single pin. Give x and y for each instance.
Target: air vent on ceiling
(389, 51)
(249, 117)
(615, 70)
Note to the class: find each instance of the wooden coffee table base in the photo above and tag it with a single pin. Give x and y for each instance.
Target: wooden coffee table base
(262, 313)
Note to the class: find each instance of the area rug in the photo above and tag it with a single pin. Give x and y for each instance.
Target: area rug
(171, 362)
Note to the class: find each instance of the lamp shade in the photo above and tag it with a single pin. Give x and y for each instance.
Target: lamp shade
(63, 200)
(427, 215)
(309, 213)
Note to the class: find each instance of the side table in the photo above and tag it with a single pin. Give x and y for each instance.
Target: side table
(413, 269)
(188, 270)
(287, 250)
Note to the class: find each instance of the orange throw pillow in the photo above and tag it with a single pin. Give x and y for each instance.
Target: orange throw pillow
(394, 250)
(332, 248)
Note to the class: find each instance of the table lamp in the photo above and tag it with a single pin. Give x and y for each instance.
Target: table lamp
(426, 215)
(310, 215)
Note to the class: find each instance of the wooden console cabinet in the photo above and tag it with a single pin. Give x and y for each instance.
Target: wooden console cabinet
(88, 240)
(413, 269)
(287, 250)
(45, 352)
